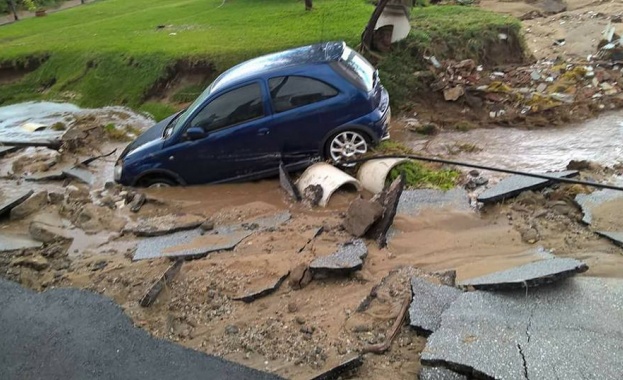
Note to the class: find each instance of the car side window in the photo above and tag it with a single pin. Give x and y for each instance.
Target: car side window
(234, 107)
(291, 92)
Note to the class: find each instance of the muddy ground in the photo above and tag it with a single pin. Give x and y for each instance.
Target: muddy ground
(293, 332)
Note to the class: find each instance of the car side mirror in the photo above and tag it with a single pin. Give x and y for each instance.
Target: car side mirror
(195, 133)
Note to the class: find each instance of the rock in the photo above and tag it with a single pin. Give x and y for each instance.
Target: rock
(389, 199)
(583, 165)
(348, 258)
(232, 330)
(30, 205)
(428, 304)
(37, 262)
(529, 235)
(8, 204)
(300, 320)
(300, 277)
(528, 275)
(47, 233)
(453, 93)
(293, 308)
(447, 278)
(56, 198)
(361, 215)
(208, 225)
(312, 195)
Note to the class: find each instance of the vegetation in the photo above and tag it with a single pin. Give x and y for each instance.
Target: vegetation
(117, 51)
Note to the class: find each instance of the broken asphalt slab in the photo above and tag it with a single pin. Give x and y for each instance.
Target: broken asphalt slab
(342, 368)
(79, 174)
(568, 330)
(162, 225)
(8, 204)
(589, 202)
(154, 290)
(254, 295)
(429, 302)
(288, 185)
(76, 334)
(348, 258)
(412, 202)
(528, 275)
(198, 243)
(389, 199)
(615, 237)
(438, 373)
(514, 185)
(6, 149)
(14, 242)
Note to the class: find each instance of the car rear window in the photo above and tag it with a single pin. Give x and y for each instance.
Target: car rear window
(357, 68)
(291, 92)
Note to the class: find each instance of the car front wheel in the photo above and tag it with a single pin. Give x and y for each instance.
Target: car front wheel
(347, 145)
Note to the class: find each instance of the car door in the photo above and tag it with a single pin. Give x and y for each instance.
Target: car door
(236, 141)
(298, 104)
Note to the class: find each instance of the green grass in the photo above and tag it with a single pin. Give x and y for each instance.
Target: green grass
(158, 111)
(112, 51)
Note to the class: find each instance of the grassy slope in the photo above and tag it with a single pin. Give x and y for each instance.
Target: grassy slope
(110, 51)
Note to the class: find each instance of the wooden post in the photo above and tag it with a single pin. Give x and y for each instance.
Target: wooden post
(366, 38)
(308, 5)
(13, 9)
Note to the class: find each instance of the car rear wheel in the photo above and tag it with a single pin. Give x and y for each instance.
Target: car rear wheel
(157, 182)
(347, 145)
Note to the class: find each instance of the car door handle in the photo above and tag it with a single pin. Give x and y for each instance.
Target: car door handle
(263, 131)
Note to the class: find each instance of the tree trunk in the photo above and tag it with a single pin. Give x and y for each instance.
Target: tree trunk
(366, 38)
(308, 5)
(13, 9)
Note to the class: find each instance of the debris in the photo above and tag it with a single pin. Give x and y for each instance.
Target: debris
(52, 144)
(429, 302)
(528, 275)
(137, 202)
(312, 195)
(208, 225)
(30, 205)
(195, 243)
(514, 185)
(91, 159)
(250, 297)
(373, 173)
(615, 237)
(328, 177)
(382, 347)
(48, 228)
(152, 293)
(12, 242)
(346, 366)
(412, 202)
(589, 202)
(545, 333)
(361, 215)
(95, 332)
(389, 199)
(288, 185)
(453, 93)
(8, 205)
(163, 225)
(300, 276)
(439, 373)
(79, 174)
(55, 175)
(37, 263)
(317, 233)
(6, 149)
(348, 258)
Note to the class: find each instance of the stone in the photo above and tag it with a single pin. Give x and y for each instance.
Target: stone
(208, 225)
(348, 258)
(514, 185)
(429, 302)
(30, 206)
(312, 195)
(56, 198)
(84, 335)
(440, 373)
(13, 242)
(615, 237)
(163, 225)
(588, 202)
(300, 277)
(288, 185)
(37, 262)
(390, 200)
(563, 331)
(46, 232)
(262, 292)
(8, 204)
(541, 87)
(528, 275)
(232, 330)
(453, 93)
(361, 215)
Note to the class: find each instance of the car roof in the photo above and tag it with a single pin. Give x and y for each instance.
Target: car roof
(257, 67)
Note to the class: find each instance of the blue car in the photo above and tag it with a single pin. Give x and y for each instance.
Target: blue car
(323, 101)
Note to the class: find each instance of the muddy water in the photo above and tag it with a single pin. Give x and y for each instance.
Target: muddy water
(547, 149)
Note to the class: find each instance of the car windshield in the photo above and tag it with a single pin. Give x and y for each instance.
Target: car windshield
(359, 66)
(178, 122)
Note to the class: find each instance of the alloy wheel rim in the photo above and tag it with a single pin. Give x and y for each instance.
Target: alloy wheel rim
(347, 145)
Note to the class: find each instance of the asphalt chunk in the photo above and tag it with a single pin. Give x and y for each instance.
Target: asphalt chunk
(429, 302)
(514, 185)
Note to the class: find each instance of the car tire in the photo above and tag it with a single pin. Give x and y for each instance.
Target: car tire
(157, 182)
(347, 145)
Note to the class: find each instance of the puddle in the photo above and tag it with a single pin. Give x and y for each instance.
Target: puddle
(14, 117)
(534, 150)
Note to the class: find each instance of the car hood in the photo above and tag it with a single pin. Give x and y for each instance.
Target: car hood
(149, 136)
